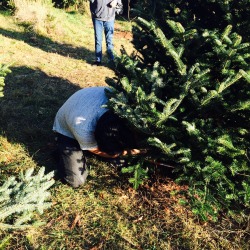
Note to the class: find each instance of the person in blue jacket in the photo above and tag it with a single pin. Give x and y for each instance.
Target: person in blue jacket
(103, 14)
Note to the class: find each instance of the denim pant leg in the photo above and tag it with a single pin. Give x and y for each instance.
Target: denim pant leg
(72, 161)
(98, 28)
(109, 32)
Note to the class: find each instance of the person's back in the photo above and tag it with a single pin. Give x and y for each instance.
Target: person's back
(78, 116)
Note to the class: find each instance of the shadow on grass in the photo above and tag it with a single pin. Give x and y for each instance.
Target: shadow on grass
(27, 110)
(47, 45)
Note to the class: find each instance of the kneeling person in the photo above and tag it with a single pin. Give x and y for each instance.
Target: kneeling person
(81, 125)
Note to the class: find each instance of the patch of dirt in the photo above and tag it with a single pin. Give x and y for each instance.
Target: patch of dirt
(124, 34)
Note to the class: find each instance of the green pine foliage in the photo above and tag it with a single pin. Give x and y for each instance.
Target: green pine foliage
(206, 14)
(187, 90)
(21, 197)
(139, 174)
(4, 70)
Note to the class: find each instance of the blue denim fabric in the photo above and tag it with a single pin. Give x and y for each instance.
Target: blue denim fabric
(108, 27)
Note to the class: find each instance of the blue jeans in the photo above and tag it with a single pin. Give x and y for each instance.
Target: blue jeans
(108, 27)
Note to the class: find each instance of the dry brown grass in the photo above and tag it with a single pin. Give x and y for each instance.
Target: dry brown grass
(13, 157)
(32, 12)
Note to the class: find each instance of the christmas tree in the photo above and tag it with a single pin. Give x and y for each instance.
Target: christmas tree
(186, 88)
(21, 197)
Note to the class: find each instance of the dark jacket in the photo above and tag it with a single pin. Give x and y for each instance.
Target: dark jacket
(102, 10)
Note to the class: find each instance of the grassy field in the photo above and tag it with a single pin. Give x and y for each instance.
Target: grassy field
(51, 57)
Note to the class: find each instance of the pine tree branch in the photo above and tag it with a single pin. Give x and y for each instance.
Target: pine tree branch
(21, 197)
(166, 44)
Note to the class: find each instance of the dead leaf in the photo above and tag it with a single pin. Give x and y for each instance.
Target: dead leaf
(76, 221)
(137, 220)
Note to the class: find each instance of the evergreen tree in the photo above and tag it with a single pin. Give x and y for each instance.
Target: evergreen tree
(187, 89)
(20, 198)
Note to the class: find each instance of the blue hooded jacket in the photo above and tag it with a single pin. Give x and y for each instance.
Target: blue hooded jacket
(102, 10)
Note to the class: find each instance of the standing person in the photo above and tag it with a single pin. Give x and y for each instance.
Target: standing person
(82, 125)
(103, 17)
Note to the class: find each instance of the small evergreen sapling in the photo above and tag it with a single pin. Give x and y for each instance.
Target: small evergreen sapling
(21, 197)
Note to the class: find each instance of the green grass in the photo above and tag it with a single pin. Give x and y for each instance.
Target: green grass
(106, 213)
